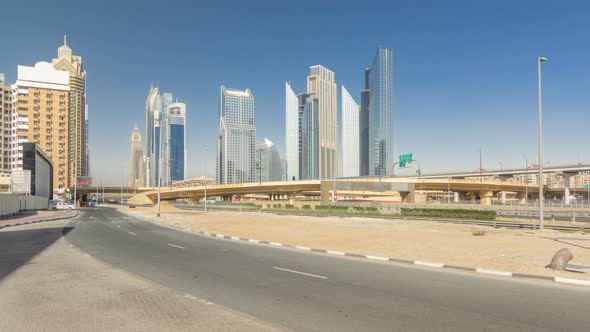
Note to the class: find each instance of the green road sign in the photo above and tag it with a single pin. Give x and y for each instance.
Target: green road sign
(587, 186)
(405, 160)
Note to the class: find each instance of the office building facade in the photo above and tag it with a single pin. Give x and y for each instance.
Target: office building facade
(268, 162)
(173, 157)
(236, 137)
(350, 135)
(380, 92)
(321, 85)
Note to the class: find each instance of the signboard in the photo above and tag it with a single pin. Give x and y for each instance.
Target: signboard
(21, 181)
(405, 160)
(84, 181)
(587, 186)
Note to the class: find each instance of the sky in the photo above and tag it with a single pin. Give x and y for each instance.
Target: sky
(465, 72)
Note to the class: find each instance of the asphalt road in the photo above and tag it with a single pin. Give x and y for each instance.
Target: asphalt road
(313, 292)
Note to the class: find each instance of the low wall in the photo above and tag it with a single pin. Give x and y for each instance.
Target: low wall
(12, 204)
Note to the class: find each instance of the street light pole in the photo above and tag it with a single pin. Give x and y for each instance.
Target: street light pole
(526, 180)
(206, 149)
(540, 60)
(159, 184)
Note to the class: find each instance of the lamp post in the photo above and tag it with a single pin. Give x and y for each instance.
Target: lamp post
(480, 169)
(540, 60)
(526, 180)
(206, 149)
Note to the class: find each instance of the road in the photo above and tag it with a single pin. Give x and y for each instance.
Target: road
(313, 292)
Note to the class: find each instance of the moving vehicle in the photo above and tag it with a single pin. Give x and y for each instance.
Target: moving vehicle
(64, 206)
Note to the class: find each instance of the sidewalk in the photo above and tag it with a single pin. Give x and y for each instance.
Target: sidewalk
(30, 217)
(63, 289)
(519, 251)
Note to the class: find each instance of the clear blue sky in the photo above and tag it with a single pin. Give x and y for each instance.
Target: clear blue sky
(465, 72)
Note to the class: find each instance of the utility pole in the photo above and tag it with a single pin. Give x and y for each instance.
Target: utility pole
(75, 148)
(541, 203)
(206, 149)
(159, 184)
(526, 180)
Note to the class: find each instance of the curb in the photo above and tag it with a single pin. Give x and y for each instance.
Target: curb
(535, 277)
(559, 280)
(38, 221)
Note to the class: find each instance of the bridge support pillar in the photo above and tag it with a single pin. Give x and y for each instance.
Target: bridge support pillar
(566, 187)
(486, 197)
(473, 197)
(521, 199)
(503, 197)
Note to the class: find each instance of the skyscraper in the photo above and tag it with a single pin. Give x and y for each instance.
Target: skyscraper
(236, 136)
(163, 159)
(364, 128)
(268, 161)
(292, 132)
(77, 123)
(137, 176)
(309, 163)
(312, 127)
(153, 111)
(350, 135)
(174, 143)
(380, 144)
(42, 101)
(321, 84)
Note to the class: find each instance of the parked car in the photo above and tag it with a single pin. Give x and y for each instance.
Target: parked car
(52, 205)
(64, 206)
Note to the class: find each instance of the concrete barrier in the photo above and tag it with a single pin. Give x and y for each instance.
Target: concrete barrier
(11, 204)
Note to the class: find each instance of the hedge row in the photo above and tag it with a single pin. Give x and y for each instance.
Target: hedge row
(450, 213)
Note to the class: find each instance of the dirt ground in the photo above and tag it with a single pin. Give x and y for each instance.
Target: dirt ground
(519, 251)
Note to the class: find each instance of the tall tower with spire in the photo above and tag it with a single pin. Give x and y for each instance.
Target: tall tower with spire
(137, 176)
(77, 110)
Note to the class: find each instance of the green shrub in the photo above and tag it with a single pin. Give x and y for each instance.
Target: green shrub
(339, 208)
(289, 206)
(358, 209)
(371, 209)
(306, 207)
(268, 205)
(322, 207)
(449, 213)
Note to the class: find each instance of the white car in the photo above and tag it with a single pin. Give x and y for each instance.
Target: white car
(63, 206)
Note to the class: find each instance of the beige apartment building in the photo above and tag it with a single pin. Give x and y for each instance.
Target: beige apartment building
(6, 130)
(77, 136)
(42, 100)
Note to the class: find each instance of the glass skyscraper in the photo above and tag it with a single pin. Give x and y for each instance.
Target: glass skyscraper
(153, 108)
(380, 143)
(350, 135)
(236, 137)
(176, 141)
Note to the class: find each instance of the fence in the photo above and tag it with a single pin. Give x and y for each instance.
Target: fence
(12, 204)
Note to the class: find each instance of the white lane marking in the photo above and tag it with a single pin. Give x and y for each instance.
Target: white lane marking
(173, 245)
(132, 233)
(572, 281)
(276, 244)
(299, 272)
(194, 298)
(254, 241)
(379, 258)
(428, 264)
(494, 272)
(119, 226)
(335, 252)
(91, 217)
(219, 235)
(302, 248)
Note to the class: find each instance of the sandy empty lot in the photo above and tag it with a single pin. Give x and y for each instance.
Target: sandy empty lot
(521, 251)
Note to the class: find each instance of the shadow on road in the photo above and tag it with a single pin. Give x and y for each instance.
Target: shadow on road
(18, 247)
